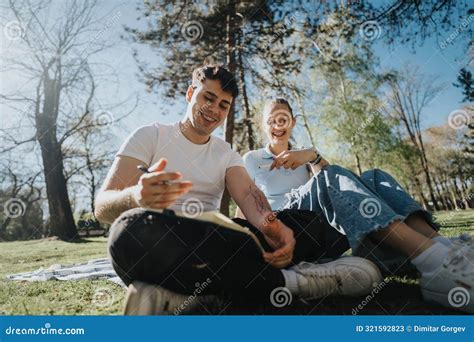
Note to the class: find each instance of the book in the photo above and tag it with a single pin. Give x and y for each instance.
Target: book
(216, 218)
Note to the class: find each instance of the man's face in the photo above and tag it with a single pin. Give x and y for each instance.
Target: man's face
(209, 106)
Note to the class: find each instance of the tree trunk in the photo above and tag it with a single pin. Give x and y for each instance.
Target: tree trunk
(464, 191)
(3, 228)
(248, 117)
(424, 201)
(357, 159)
(232, 67)
(428, 180)
(92, 185)
(305, 119)
(440, 196)
(444, 188)
(453, 196)
(60, 214)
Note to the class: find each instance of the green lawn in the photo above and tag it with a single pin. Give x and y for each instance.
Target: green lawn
(100, 297)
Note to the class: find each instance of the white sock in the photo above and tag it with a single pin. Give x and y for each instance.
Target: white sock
(431, 259)
(291, 283)
(444, 240)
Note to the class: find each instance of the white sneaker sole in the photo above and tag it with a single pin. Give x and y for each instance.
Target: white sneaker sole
(148, 299)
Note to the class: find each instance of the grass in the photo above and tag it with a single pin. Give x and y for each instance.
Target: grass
(82, 297)
(101, 297)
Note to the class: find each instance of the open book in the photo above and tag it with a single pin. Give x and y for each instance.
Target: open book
(218, 219)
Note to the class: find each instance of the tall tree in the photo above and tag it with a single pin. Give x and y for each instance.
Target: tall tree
(246, 36)
(60, 89)
(410, 93)
(225, 32)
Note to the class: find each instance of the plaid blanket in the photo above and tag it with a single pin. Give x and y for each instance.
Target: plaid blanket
(92, 269)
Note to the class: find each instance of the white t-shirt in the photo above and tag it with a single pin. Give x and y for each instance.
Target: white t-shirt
(205, 165)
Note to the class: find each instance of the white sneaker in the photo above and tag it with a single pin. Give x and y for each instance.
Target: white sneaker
(463, 238)
(149, 299)
(347, 276)
(452, 284)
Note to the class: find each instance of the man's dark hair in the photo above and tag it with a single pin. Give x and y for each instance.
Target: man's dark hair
(215, 72)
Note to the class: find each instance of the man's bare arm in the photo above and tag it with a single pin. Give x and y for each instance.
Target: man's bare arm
(116, 194)
(248, 197)
(257, 210)
(125, 188)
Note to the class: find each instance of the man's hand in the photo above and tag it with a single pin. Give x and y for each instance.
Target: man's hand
(281, 239)
(293, 159)
(159, 189)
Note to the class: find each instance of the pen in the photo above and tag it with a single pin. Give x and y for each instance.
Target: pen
(144, 169)
(264, 166)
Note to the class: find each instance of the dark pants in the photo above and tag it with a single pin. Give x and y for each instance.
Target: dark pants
(180, 254)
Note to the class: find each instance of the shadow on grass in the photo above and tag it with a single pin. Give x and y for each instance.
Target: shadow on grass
(396, 298)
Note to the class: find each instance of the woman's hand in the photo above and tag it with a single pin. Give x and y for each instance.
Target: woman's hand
(293, 159)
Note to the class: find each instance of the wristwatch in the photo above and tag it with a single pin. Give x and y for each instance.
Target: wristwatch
(317, 160)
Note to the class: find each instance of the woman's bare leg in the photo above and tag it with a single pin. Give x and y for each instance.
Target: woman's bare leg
(403, 238)
(419, 224)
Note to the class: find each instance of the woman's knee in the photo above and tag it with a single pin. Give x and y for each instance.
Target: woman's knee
(369, 174)
(334, 169)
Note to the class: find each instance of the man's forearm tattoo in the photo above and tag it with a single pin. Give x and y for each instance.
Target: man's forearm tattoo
(261, 202)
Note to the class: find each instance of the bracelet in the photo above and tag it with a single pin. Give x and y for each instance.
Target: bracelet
(317, 160)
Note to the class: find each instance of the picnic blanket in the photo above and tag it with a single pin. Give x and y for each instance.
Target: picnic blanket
(92, 269)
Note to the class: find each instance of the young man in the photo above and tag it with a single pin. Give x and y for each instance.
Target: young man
(189, 169)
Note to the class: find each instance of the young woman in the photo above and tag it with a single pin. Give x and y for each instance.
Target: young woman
(380, 220)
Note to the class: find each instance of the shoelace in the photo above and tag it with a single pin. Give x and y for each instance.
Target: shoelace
(324, 281)
(460, 262)
(463, 238)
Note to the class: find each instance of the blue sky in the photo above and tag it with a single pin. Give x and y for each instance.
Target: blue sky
(428, 57)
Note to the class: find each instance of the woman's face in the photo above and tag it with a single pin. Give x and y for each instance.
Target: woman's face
(278, 123)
